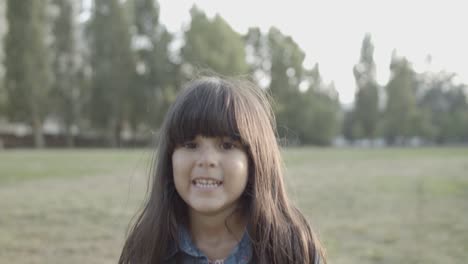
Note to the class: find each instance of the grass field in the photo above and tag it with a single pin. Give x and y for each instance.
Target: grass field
(368, 205)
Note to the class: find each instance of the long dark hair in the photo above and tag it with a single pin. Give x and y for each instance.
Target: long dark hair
(212, 106)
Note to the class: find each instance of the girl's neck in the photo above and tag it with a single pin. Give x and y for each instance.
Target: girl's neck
(216, 228)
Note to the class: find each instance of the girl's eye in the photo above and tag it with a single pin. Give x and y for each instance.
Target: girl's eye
(189, 145)
(227, 145)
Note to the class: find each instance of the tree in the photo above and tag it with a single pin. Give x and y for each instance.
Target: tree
(320, 110)
(113, 68)
(156, 80)
(3, 27)
(305, 116)
(366, 107)
(286, 70)
(27, 69)
(66, 85)
(348, 127)
(212, 44)
(271, 64)
(444, 104)
(400, 113)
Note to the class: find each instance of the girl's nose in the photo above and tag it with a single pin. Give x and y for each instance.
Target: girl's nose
(208, 158)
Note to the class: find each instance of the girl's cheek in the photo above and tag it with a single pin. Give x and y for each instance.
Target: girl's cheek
(178, 162)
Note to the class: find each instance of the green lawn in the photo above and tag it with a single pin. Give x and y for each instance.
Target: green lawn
(368, 205)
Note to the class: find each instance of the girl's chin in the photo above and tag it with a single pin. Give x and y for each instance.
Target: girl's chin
(209, 208)
(206, 208)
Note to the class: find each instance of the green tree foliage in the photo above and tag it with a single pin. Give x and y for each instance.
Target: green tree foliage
(286, 73)
(278, 59)
(156, 81)
(66, 84)
(321, 110)
(113, 68)
(3, 26)
(212, 44)
(400, 115)
(286, 70)
(307, 116)
(27, 74)
(258, 56)
(445, 108)
(348, 125)
(366, 106)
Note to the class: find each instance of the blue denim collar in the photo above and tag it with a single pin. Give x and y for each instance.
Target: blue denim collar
(242, 253)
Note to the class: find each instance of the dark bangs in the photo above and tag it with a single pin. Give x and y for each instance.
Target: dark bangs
(206, 108)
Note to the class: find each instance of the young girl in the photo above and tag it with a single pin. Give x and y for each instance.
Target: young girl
(217, 193)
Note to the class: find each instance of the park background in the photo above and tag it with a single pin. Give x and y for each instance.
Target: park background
(84, 86)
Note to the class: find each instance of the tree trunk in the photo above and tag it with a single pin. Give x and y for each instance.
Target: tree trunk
(69, 140)
(113, 133)
(37, 133)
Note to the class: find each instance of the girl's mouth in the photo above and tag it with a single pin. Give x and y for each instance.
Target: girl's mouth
(206, 183)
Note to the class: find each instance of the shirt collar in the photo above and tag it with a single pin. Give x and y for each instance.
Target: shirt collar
(186, 244)
(242, 252)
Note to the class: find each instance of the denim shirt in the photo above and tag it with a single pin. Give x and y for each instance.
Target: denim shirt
(189, 253)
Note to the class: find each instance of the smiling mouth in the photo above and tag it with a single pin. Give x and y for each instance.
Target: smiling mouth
(206, 183)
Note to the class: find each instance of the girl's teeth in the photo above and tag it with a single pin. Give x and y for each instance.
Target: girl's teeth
(206, 183)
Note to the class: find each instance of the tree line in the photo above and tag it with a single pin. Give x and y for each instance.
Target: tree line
(113, 74)
(428, 106)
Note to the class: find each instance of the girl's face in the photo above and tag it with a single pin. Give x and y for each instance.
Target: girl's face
(210, 173)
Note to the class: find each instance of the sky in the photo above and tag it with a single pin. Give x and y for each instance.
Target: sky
(330, 31)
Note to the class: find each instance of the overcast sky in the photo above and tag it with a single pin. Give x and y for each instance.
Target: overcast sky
(331, 31)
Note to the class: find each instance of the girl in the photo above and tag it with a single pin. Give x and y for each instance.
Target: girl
(217, 195)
